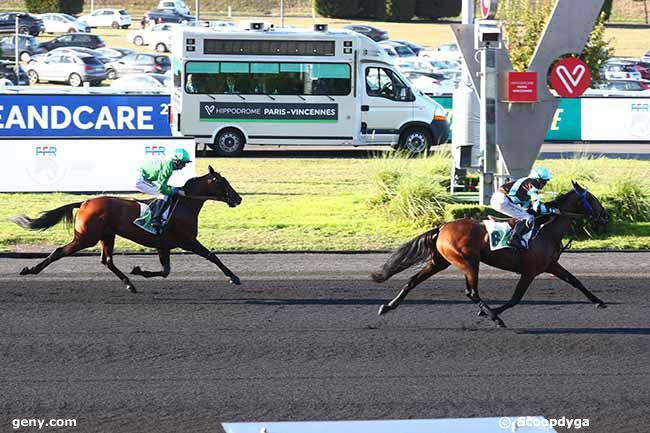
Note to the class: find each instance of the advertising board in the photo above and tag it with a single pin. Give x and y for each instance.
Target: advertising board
(98, 165)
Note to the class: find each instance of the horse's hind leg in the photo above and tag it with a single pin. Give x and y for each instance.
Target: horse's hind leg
(108, 243)
(72, 247)
(564, 275)
(470, 269)
(163, 255)
(429, 269)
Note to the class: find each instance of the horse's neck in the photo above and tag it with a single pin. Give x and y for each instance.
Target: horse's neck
(558, 227)
(191, 206)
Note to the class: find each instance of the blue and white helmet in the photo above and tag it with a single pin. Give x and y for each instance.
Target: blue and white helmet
(540, 173)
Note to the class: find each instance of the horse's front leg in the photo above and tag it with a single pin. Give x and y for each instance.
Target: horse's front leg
(197, 248)
(163, 256)
(520, 290)
(564, 275)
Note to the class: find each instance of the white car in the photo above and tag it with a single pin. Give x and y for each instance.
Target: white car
(222, 25)
(448, 51)
(158, 36)
(177, 5)
(116, 18)
(621, 71)
(63, 23)
(146, 82)
(431, 84)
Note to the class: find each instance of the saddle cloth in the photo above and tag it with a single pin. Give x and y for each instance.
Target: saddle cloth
(144, 220)
(499, 234)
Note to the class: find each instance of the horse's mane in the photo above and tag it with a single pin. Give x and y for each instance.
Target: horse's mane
(560, 199)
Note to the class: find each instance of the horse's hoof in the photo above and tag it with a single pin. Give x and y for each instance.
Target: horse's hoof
(481, 313)
(131, 288)
(235, 280)
(499, 323)
(136, 271)
(25, 271)
(601, 304)
(385, 308)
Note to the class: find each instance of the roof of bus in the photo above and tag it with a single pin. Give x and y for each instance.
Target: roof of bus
(274, 33)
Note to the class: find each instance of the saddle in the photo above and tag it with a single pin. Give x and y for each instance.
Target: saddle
(147, 207)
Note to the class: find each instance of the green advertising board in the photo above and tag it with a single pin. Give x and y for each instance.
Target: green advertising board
(564, 127)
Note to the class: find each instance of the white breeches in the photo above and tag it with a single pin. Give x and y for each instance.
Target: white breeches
(148, 188)
(501, 203)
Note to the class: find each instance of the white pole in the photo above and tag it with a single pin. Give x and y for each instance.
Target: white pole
(16, 41)
(197, 5)
(92, 6)
(230, 12)
(281, 13)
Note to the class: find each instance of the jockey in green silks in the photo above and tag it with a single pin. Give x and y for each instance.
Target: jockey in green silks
(154, 178)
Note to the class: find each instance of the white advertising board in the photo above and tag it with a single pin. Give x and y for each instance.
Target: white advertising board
(615, 119)
(90, 165)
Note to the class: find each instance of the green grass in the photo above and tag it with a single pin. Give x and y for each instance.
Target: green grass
(310, 204)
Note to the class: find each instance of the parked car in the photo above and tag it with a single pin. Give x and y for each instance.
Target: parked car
(63, 23)
(373, 33)
(401, 50)
(116, 18)
(138, 63)
(177, 5)
(644, 69)
(87, 40)
(159, 16)
(222, 25)
(113, 53)
(8, 72)
(620, 71)
(413, 46)
(431, 84)
(620, 88)
(73, 50)
(28, 24)
(75, 69)
(158, 82)
(158, 36)
(27, 47)
(449, 51)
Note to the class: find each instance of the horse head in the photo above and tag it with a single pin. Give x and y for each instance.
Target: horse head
(583, 202)
(215, 186)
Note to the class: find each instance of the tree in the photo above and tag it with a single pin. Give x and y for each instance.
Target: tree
(524, 22)
(375, 9)
(42, 6)
(435, 9)
(337, 8)
(400, 10)
(64, 6)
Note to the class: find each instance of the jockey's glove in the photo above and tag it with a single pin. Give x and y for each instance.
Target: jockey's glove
(178, 191)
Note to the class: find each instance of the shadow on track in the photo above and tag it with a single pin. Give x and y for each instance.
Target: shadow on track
(586, 331)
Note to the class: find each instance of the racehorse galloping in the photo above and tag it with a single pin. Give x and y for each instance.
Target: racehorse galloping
(101, 219)
(464, 243)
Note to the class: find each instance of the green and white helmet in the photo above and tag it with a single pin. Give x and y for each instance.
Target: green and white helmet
(181, 155)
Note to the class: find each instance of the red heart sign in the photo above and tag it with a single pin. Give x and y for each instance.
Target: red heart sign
(570, 77)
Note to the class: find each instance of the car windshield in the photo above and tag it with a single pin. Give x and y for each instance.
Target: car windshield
(68, 18)
(123, 12)
(404, 51)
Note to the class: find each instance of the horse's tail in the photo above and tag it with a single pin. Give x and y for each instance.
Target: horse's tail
(409, 254)
(47, 219)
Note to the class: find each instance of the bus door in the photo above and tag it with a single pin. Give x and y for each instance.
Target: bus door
(387, 103)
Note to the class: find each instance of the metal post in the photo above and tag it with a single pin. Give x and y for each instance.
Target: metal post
(282, 13)
(16, 50)
(197, 10)
(488, 103)
(92, 6)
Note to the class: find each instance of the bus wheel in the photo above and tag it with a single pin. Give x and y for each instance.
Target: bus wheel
(415, 140)
(229, 142)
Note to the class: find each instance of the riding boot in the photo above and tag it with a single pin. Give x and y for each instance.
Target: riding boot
(157, 210)
(516, 236)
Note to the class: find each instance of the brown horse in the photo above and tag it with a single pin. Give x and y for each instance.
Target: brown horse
(101, 219)
(464, 243)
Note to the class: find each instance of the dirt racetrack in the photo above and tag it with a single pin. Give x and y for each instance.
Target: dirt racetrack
(300, 339)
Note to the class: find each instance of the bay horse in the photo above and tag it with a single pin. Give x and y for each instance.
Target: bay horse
(464, 243)
(100, 219)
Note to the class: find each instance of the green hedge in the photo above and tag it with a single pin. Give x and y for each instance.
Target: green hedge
(337, 8)
(458, 211)
(375, 9)
(435, 9)
(65, 6)
(400, 10)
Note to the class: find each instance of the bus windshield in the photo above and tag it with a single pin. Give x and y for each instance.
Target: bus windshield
(273, 78)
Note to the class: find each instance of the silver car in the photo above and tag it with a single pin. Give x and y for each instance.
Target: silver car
(72, 68)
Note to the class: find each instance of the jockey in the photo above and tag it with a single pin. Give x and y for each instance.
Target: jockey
(517, 198)
(153, 181)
